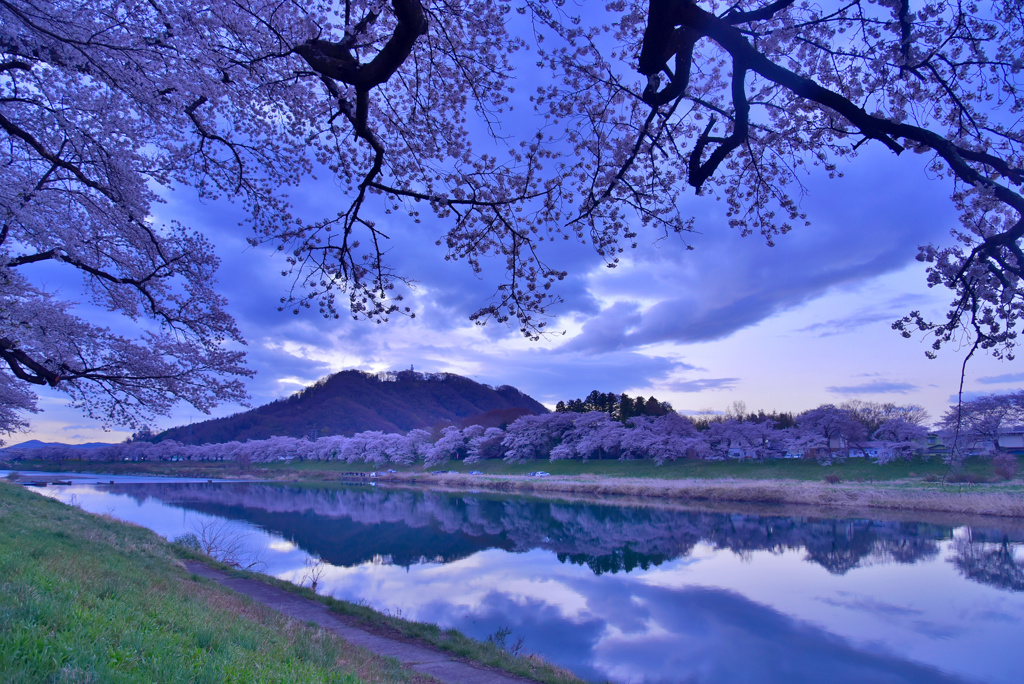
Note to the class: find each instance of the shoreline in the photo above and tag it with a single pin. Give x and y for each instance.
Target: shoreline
(907, 496)
(836, 497)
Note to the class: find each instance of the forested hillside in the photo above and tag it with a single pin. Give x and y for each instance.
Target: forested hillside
(353, 401)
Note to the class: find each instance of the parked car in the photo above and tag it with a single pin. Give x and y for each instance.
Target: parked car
(392, 470)
(539, 473)
(475, 472)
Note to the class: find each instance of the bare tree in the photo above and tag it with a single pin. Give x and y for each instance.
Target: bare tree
(223, 542)
(315, 567)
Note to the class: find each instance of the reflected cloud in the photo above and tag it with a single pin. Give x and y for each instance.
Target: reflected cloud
(868, 604)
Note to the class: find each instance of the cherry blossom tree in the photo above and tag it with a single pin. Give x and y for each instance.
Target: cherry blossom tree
(827, 431)
(899, 438)
(483, 442)
(403, 449)
(328, 448)
(740, 439)
(872, 414)
(93, 113)
(974, 425)
(448, 447)
(741, 96)
(532, 437)
(15, 399)
(663, 438)
(105, 105)
(593, 434)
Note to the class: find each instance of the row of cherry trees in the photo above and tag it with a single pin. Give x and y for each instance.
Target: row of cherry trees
(826, 433)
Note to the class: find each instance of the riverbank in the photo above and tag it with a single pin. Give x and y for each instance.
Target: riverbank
(976, 500)
(854, 486)
(90, 598)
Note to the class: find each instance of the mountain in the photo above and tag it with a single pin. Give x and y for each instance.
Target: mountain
(35, 444)
(353, 401)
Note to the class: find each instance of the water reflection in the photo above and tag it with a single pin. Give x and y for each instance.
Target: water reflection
(353, 525)
(643, 594)
(997, 563)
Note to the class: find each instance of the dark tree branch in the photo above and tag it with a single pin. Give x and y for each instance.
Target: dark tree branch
(16, 131)
(699, 172)
(903, 16)
(19, 361)
(736, 17)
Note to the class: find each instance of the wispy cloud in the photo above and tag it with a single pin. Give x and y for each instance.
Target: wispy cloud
(885, 312)
(703, 384)
(1002, 379)
(876, 387)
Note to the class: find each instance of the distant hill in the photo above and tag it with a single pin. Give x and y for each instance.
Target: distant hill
(353, 401)
(36, 444)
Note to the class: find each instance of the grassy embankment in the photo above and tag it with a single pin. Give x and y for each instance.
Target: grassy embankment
(87, 598)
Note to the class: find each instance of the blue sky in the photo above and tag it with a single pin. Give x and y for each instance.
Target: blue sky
(788, 327)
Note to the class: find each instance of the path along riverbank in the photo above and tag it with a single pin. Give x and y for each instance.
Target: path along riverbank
(415, 656)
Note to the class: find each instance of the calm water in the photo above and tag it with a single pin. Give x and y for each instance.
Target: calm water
(634, 594)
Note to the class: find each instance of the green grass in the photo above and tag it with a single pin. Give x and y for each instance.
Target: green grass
(85, 598)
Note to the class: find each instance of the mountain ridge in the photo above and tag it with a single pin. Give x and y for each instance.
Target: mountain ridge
(37, 444)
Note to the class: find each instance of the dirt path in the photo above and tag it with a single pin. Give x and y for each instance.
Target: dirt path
(422, 659)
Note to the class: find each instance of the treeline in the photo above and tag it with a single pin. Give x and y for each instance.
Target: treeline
(621, 407)
(881, 431)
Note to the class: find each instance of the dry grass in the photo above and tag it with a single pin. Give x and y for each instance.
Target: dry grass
(1008, 502)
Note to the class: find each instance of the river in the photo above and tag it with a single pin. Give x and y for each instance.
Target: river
(633, 593)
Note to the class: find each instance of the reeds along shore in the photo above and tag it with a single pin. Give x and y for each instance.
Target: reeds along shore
(950, 499)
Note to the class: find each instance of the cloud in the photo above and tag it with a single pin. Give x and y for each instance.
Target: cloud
(1002, 379)
(661, 292)
(550, 376)
(702, 384)
(609, 330)
(729, 283)
(76, 427)
(876, 387)
(886, 312)
(971, 396)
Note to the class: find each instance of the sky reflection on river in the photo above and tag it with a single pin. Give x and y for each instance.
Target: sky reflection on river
(711, 605)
